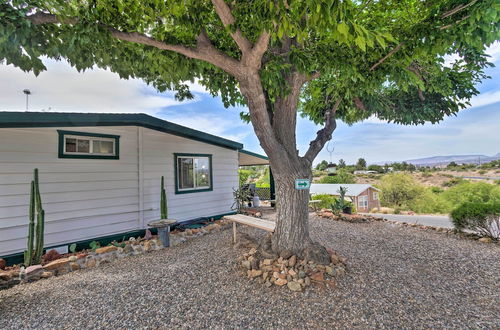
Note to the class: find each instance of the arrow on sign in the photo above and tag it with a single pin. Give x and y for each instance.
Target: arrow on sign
(302, 184)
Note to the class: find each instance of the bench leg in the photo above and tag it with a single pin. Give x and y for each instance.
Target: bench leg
(234, 232)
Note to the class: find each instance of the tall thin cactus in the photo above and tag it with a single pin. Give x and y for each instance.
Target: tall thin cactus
(33, 255)
(163, 200)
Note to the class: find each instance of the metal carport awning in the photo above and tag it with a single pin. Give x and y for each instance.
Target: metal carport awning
(248, 158)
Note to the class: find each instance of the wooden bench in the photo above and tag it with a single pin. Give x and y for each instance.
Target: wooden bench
(250, 221)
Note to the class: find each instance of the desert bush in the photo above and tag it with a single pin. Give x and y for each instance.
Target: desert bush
(342, 176)
(481, 217)
(474, 192)
(426, 175)
(452, 182)
(430, 202)
(399, 190)
(326, 200)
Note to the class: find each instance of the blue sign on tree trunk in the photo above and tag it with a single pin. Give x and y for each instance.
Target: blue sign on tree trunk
(302, 184)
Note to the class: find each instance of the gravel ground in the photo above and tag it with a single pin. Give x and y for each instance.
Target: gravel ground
(397, 277)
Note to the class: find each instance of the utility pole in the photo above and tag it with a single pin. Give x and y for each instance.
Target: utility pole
(28, 93)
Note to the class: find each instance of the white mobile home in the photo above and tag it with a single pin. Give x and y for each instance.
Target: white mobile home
(100, 174)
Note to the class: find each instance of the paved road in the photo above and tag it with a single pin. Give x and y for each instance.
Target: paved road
(427, 220)
(479, 177)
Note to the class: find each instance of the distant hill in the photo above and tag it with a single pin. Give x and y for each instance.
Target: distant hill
(445, 160)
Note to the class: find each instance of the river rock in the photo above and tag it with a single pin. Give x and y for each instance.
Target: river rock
(57, 264)
(106, 249)
(485, 240)
(294, 286)
(280, 282)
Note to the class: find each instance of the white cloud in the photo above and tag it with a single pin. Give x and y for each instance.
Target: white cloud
(494, 51)
(62, 88)
(215, 125)
(485, 99)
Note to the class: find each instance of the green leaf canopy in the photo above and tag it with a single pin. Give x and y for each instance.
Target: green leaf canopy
(381, 58)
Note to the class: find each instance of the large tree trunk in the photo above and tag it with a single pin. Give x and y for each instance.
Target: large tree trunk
(292, 226)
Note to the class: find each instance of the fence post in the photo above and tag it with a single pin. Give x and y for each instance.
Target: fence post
(272, 188)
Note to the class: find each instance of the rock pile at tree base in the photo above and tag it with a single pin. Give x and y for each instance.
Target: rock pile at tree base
(290, 271)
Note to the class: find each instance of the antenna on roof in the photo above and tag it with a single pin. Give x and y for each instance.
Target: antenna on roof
(28, 93)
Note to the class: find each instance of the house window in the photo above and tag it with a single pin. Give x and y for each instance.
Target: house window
(193, 173)
(363, 201)
(375, 196)
(88, 145)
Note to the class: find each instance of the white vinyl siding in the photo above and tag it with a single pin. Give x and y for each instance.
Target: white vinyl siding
(88, 198)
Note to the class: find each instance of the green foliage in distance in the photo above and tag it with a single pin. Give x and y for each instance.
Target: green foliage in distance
(342, 163)
(381, 58)
(326, 200)
(342, 176)
(361, 164)
(322, 165)
(243, 175)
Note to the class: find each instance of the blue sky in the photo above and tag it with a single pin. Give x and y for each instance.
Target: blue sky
(62, 88)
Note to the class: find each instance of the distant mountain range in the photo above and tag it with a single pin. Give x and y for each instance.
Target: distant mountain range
(445, 160)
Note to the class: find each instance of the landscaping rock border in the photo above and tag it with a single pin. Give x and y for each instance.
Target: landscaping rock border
(353, 218)
(89, 259)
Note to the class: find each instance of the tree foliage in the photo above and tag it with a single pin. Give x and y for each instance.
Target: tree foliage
(361, 164)
(381, 58)
(322, 165)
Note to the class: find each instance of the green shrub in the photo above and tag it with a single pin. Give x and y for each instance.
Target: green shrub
(326, 200)
(482, 172)
(342, 176)
(399, 190)
(452, 182)
(244, 175)
(429, 202)
(475, 192)
(481, 217)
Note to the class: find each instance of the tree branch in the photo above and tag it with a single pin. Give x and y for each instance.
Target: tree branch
(204, 50)
(457, 9)
(227, 18)
(395, 49)
(324, 134)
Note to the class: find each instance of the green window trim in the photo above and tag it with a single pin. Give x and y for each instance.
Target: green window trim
(62, 154)
(179, 191)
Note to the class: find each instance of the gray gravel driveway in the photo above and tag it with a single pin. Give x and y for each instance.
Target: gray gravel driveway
(398, 277)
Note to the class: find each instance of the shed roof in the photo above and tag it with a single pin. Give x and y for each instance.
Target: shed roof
(14, 119)
(353, 189)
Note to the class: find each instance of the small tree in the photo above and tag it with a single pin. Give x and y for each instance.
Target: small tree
(341, 163)
(328, 60)
(399, 189)
(361, 164)
(322, 165)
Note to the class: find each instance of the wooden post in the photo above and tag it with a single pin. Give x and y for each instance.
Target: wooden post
(234, 232)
